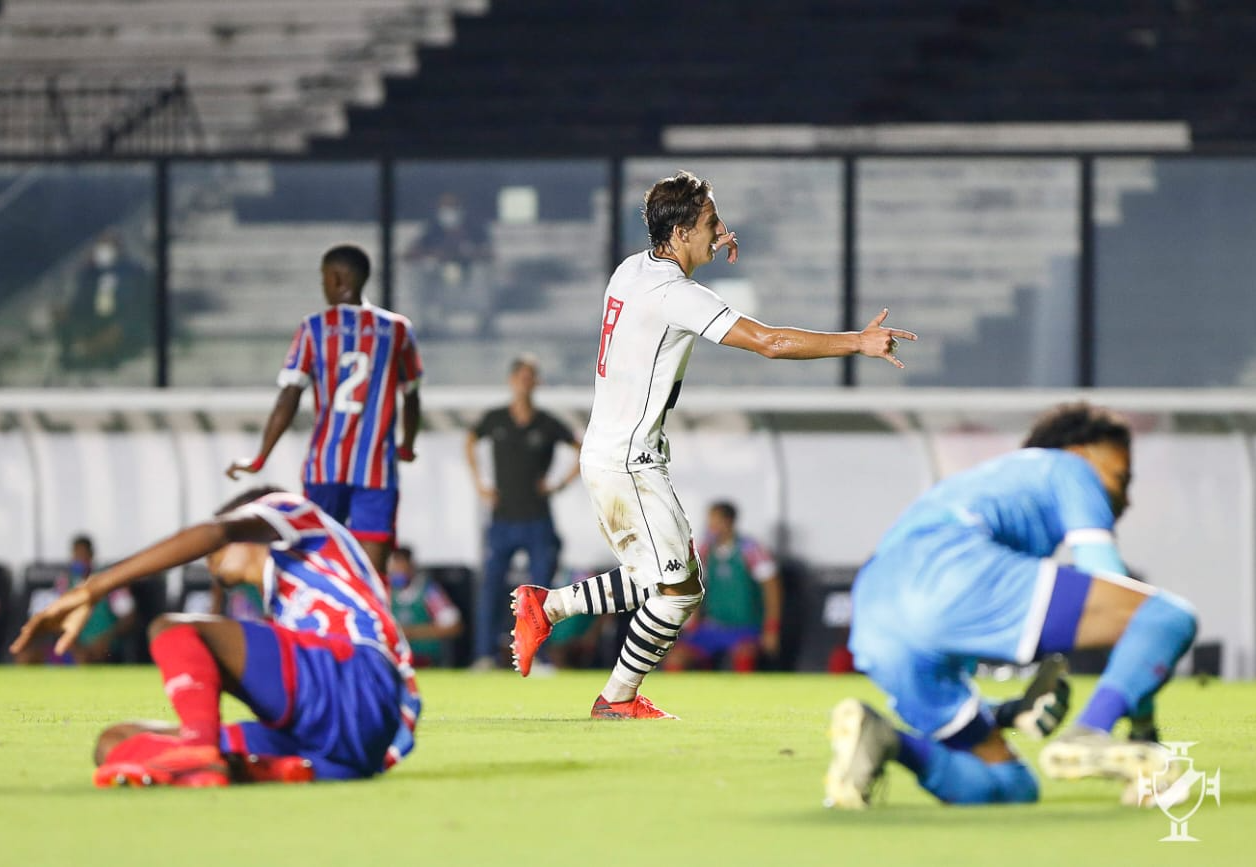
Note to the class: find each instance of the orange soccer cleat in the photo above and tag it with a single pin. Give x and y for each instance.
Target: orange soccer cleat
(639, 707)
(191, 767)
(271, 769)
(532, 625)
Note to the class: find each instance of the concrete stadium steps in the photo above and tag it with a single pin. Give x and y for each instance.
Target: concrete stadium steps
(961, 244)
(534, 58)
(271, 74)
(584, 67)
(262, 278)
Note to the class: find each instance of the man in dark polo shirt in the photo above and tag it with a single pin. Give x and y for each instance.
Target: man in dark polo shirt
(523, 440)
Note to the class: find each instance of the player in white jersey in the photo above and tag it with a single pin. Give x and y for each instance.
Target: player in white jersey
(652, 313)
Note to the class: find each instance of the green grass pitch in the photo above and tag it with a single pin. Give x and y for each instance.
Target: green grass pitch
(511, 772)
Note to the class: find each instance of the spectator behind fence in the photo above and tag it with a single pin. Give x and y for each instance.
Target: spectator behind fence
(452, 291)
(111, 620)
(427, 616)
(108, 318)
(740, 617)
(523, 449)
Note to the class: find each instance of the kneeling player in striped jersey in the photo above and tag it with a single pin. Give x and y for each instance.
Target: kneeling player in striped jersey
(965, 574)
(328, 676)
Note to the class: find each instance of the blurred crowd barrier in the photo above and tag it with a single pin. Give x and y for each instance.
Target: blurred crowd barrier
(818, 474)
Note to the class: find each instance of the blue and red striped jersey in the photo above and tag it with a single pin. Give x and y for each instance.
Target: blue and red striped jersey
(356, 357)
(318, 579)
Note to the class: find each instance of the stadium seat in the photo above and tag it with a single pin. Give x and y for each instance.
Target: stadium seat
(194, 594)
(1206, 659)
(9, 621)
(826, 604)
(41, 584)
(459, 583)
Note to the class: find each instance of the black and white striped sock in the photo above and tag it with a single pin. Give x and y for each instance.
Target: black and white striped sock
(609, 593)
(651, 635)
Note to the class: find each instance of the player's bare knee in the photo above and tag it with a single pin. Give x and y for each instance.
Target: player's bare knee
(994, 749)
(161, 623)
(108, 739)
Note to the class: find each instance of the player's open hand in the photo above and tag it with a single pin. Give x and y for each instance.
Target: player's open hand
(69, 614)
(725, 238)
(878, 341)
(243, 466)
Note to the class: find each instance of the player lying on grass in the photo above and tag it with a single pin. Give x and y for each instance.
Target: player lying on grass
(965, 574)
(328, 677)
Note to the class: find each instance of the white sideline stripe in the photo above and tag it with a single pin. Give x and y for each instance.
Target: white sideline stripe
(1037, 615)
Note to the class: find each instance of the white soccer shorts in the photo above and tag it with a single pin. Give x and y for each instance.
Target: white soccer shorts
(643, 522)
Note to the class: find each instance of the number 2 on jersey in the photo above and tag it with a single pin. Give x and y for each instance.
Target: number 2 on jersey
(613, 306)
(356, 362)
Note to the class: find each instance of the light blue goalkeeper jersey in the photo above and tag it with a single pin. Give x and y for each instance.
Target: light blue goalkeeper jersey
(1028, 501)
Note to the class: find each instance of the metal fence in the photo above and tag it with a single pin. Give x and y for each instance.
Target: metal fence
(1027, 270)
(60, 114)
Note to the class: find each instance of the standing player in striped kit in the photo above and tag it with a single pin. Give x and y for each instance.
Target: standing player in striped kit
(357, 356)
(653, 310)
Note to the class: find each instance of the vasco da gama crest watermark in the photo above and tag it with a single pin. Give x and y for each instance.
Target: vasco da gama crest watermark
(1174, 790)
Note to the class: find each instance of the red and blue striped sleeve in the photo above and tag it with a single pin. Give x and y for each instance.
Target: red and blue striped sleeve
(299, 363)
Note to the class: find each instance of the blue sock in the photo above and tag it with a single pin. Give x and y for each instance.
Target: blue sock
(1143, 659)
(959, 777)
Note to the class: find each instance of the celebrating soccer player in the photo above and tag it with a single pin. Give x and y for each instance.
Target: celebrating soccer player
(653, 311)
(356, 356)
(328, 676)
(965, 574)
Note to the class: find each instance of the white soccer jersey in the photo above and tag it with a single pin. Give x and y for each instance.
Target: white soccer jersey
(651, 314)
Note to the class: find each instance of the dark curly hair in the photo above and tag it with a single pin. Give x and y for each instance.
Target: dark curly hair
(248, 496)
(672, 202)
(1077, 424)
(352, 259)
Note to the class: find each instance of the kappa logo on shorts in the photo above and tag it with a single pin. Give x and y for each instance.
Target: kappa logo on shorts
(643, 458)
(673, 565)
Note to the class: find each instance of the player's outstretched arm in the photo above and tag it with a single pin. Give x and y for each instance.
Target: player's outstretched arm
(281, 416)
(875, 341)
(69, 613)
